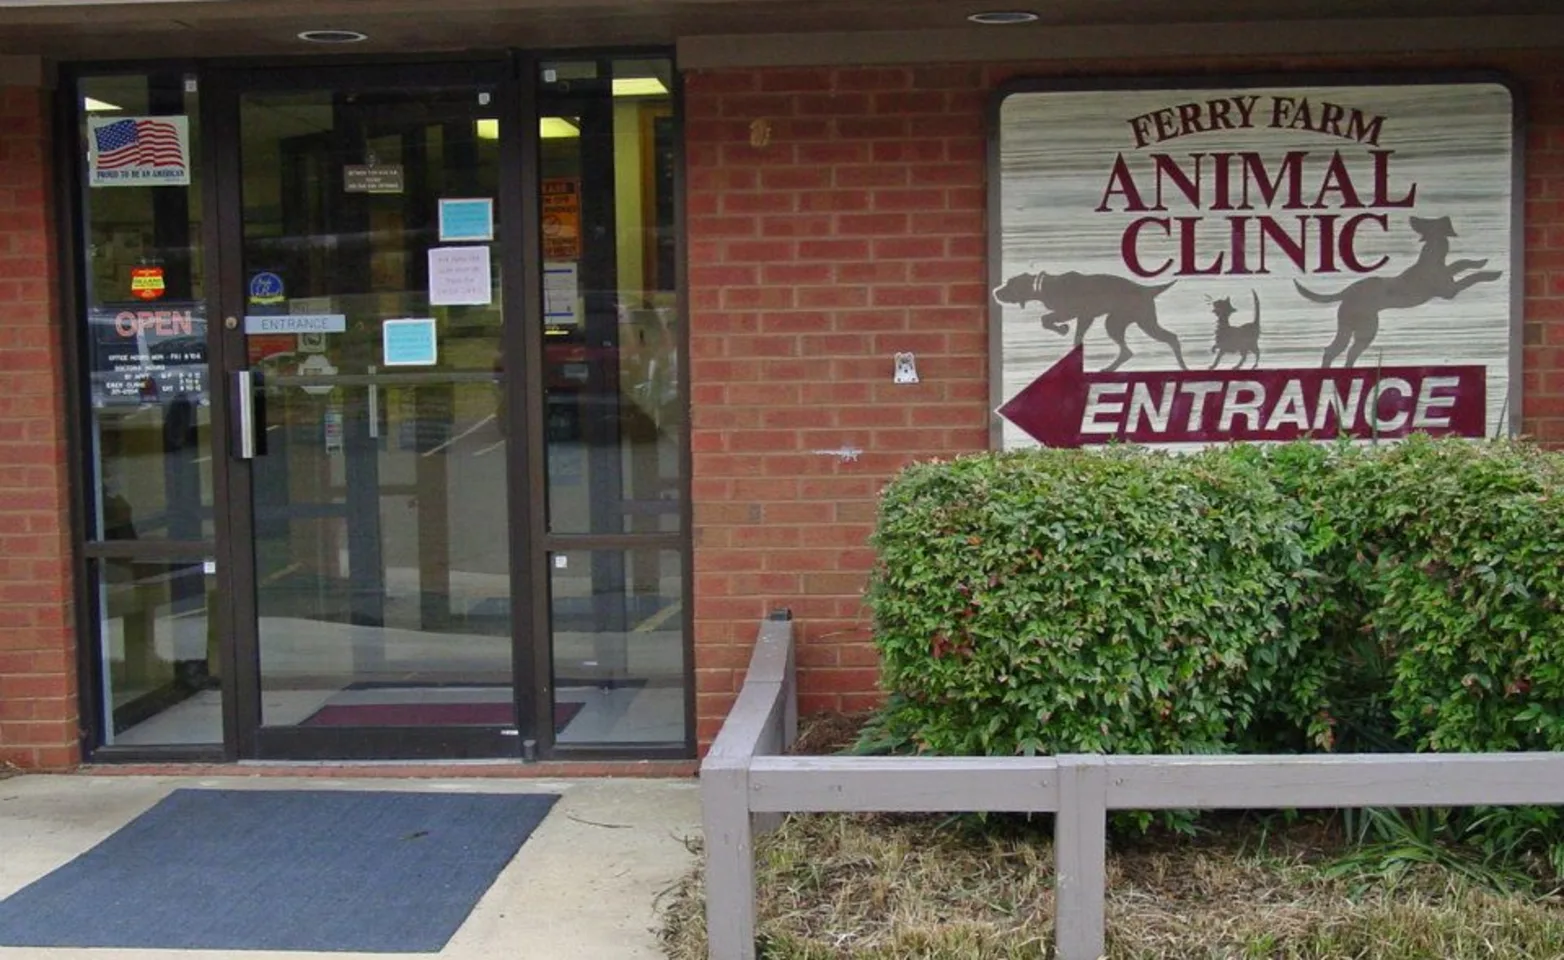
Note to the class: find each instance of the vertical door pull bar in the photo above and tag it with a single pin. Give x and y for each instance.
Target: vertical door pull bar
(249, 414)
(374, 406)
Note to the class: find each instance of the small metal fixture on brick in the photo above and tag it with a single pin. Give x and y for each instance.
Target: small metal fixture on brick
(847, 454)
(1003, 18)
(906, 368)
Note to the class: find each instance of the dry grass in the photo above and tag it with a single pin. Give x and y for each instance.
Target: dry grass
(894, 888)
(827, 733)
(879, 887)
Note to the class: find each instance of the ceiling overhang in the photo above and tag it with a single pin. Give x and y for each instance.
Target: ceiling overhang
(1126, 44)
(766, 31)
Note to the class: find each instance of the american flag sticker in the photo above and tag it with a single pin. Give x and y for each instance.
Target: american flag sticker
(138, 151)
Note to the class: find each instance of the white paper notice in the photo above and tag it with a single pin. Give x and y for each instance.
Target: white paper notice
(459, 276)
(561, 292)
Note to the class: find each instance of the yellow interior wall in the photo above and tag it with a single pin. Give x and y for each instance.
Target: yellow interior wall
(628, 200)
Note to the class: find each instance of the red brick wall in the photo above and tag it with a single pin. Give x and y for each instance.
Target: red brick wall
(855, 233)
(38, 708)
(836, 216)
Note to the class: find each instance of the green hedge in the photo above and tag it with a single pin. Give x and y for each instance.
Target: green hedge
(1117, 602)
(1457, 573)
(1299, 596)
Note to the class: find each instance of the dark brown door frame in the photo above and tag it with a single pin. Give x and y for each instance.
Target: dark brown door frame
(521, 213)
(224, 88)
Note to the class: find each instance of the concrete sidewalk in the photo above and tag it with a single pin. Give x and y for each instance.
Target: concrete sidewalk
(581, 888)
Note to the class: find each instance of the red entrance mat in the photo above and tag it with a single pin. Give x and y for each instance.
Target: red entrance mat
(495, 714)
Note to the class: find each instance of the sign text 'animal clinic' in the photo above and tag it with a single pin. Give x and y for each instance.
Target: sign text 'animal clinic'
(1201, 264)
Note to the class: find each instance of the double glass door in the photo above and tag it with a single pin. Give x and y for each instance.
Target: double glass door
(365, 330)
(384, 431)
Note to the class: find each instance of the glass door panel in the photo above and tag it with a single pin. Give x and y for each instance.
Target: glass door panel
(148, 488)
(372, 330)
(158, 641)
(615, 419)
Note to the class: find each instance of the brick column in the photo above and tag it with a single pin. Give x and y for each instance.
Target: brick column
(38, 702)
(1542, 401)
(836, 218)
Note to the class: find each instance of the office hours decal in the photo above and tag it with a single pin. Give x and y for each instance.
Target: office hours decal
(1254, 263)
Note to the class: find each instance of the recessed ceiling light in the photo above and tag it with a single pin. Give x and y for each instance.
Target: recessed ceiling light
(333, 36)
(995, 18)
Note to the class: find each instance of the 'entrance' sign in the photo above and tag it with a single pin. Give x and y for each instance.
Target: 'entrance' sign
(1254, 262)
(295, 323)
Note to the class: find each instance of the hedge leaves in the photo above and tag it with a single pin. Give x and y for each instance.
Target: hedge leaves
(1290, 597)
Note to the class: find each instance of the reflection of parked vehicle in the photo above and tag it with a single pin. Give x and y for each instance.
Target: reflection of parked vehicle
(643, 366)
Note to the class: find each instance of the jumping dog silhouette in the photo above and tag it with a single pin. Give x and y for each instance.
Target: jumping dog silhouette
(1083, 297)
(1357, 318)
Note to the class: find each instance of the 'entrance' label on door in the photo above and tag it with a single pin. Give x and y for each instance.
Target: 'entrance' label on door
(297, 323)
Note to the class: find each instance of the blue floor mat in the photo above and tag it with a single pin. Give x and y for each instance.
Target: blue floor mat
(326, 870)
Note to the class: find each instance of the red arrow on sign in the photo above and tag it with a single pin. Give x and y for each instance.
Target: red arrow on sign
(1069, 407)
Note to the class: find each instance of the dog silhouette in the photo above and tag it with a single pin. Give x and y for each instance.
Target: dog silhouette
(1357, 317)
(1242, 339)
(1083, 297)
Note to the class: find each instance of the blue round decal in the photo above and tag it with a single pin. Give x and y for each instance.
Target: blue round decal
(266, 288)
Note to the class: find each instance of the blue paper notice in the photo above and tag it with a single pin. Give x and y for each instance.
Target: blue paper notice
(466, 220)
(409, 343)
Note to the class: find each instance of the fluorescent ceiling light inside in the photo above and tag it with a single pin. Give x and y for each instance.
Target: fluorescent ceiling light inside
(558, 128)
(550, 128)
(93, 105)
(639, 87)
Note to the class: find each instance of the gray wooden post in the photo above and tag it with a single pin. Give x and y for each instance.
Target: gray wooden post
(757, 724)
(790, 700)
(730, 862)
(789, 679)
(772, 743)
(1080, 858)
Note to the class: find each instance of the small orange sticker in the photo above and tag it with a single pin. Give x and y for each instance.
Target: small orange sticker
(146, 283)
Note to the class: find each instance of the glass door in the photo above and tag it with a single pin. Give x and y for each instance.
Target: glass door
(366, 338)
(148, 431)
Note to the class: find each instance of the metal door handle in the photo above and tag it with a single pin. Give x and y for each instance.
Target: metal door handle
(374, 407)
(248, 400)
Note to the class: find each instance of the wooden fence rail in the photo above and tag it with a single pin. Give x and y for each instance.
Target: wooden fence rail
(747, 786)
